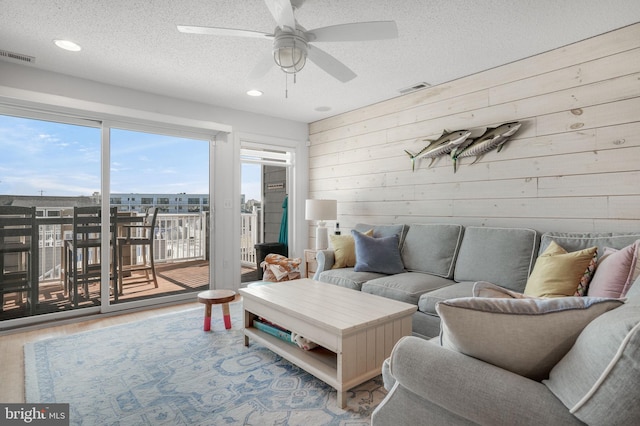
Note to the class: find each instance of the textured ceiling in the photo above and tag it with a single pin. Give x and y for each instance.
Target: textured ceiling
(135, 44)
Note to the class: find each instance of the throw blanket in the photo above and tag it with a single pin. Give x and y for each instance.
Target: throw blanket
(280, 268)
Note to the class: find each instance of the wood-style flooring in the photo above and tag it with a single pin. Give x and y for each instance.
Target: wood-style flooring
(172, 279)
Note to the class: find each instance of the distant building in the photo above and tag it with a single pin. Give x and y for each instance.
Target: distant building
(250, 206)
(51, 206)
(47, 206)
(166, 203)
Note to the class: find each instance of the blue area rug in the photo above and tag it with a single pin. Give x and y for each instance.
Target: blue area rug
(167, 371)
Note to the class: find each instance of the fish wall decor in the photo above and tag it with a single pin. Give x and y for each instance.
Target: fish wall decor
(414, 156)
(492, 138)
(446, 143)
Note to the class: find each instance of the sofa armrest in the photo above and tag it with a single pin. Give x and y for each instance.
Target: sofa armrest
(325, 259)
(473, 389)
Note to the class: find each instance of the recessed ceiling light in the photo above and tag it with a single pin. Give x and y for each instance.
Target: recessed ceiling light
(323, 108)
(67, 45)
(254, 92)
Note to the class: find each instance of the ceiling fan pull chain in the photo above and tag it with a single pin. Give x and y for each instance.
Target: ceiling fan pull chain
(286, 86)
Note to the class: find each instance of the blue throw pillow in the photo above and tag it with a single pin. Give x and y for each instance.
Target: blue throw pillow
(380, 255)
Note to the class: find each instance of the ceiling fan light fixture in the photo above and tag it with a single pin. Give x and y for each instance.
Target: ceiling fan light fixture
(290, 51)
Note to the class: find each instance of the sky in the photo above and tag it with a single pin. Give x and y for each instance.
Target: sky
(55, 159)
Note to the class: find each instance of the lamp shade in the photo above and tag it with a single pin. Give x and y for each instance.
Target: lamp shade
(321, 210)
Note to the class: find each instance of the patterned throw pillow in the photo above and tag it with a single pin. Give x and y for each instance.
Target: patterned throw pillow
(586, 278)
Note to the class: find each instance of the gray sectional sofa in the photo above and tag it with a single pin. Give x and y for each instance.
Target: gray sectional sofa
(525, 361)
(443, 261)
(594, 383)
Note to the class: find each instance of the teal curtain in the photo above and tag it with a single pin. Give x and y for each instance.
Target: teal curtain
(284, 233)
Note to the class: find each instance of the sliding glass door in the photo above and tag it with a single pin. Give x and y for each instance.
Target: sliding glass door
(52, 164)
(160, 188)
(149, 243)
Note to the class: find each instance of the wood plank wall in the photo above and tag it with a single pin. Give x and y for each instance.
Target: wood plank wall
(573, 166)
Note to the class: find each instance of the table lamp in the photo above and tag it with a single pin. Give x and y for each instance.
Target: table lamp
(321, 210)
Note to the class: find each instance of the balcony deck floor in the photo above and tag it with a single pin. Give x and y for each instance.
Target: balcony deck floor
(172, 279)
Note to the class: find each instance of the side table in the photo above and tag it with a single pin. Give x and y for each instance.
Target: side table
(310, 262)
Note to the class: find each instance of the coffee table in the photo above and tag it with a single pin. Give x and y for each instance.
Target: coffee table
(356, 330)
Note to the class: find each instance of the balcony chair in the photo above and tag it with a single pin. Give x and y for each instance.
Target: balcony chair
(82, 251)
(19, 254)
(138, 235)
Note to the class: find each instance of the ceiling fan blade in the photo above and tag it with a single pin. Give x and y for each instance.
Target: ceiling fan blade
(263, 66)
(330, 64)
(190, 29)
(357, 31)
(282, 12)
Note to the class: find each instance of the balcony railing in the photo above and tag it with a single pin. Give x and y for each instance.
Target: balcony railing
(181, 237)
(178, 237)
(248, 238)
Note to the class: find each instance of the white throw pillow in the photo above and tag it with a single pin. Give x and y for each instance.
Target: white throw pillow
(526, 336)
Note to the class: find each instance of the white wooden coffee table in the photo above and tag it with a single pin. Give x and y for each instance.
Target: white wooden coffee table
(356, 330)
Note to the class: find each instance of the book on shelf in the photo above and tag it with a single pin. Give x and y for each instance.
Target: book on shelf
(266, 321)
(273, 330)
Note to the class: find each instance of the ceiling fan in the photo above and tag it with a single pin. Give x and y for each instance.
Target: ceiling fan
(292, 43)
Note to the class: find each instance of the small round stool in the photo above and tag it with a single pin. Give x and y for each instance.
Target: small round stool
(216, 297)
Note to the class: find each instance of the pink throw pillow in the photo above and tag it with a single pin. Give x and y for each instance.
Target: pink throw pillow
(616, 272)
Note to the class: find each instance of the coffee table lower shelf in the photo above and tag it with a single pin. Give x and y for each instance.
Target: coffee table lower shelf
(319, 362)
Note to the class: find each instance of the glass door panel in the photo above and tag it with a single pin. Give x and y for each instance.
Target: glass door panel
(51, 164)
(250, 220)
(160, 188)
(264, 198)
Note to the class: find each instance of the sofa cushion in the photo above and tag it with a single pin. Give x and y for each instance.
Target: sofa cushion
(578, 241)
(502, 256)
(633, 295)
(425, 325)
(558, 273)
(377, 254)
(347, 277)
(432, 248)
(344, 250)
(615, 272)
(525, 336)
(384, 230)
(427, 302)
(598, 378)
(406, 287)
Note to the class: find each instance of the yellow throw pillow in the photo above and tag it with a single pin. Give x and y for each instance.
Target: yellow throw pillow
(344, 249)
(558, 273)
